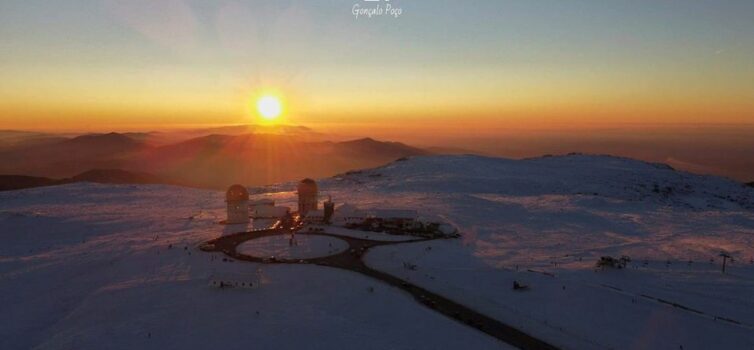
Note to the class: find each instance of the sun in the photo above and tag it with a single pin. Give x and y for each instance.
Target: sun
(269, 107)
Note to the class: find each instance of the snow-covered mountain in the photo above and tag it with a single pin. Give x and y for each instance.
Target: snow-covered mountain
(92, 266)
(588, 201)
(575, 174)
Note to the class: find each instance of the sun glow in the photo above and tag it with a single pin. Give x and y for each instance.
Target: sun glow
(269, 107)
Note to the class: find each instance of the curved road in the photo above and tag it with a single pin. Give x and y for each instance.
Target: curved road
(351, 260)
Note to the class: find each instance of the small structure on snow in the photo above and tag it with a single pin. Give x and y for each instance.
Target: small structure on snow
(725, 257)
(617, 263)
(519, 286)
(235, 281)
(329, 207)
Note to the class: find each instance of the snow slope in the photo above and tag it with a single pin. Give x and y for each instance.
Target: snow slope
(88, 266)
(556, 216)
(85, 265)
(519, 210)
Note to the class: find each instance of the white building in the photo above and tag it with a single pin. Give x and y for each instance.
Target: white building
(348, 214)
(315, 216)
(266, 209)
(395, 218)
(269, 212)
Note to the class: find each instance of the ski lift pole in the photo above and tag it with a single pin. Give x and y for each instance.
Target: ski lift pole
(725, 259)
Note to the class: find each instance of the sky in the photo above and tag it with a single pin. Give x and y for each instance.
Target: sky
(443, 66)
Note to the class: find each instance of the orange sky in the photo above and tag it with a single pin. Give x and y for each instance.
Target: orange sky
(111, 65)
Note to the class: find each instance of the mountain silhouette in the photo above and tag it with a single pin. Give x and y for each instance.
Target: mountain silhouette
(68, 157)
(212, 160)
(105, 176)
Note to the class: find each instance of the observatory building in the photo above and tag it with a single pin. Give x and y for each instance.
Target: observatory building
(266, 209)
(307, 196)
(237, 198)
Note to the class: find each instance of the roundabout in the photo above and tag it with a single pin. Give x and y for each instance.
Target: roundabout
(319, 248)
(302, 247)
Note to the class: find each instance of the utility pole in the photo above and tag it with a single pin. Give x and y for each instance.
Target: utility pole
(725, 259)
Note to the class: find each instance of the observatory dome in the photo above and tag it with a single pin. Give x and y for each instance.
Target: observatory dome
(307, 186)
(237, 193)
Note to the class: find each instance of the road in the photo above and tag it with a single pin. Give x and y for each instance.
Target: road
(351, 260)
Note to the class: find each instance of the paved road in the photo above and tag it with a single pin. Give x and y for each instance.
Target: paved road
(351, 260)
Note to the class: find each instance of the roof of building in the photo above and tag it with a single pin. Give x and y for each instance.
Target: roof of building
(270, 211)
(307, 186)
(346, 207)
(263, 201)
(393, 213)
(236, 193)
(319, 213)
(349, 210)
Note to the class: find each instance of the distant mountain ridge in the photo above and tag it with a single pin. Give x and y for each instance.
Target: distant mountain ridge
(257, 159)
(370, 145)
(18, 182)
(13, 139)
(105, 176)
(211, 160)
(118, 176)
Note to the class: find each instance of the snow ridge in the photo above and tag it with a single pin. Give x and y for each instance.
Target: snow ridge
(573, 174)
